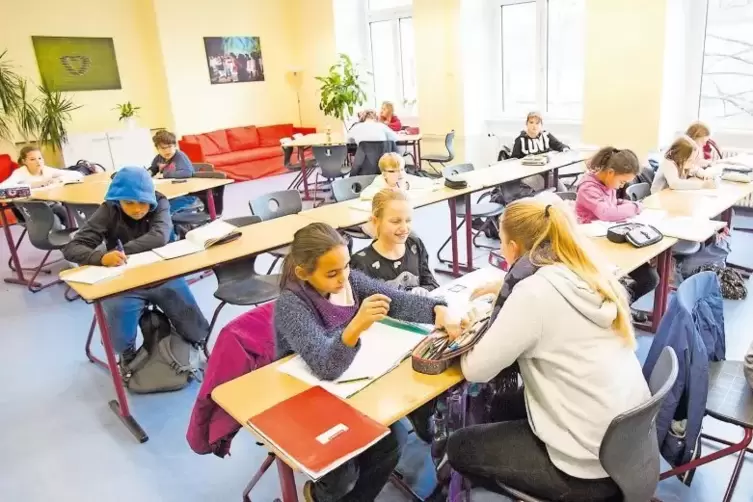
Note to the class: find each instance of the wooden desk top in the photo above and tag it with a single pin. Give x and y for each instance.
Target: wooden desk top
(93, 189)
(320, 139)
(255, 239)
(700, 204)
(512, 169)
(625, 256)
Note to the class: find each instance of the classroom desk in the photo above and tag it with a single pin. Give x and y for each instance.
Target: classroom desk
(707, 203)
(255, 239)
(320, 139)
(91, 191)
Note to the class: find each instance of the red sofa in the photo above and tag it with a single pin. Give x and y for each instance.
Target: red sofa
(7, 166)
(243, 153)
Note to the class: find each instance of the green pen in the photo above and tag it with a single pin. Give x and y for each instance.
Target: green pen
(354, 380)
(406, 326)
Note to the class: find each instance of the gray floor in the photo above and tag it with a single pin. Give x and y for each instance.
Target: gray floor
(60, 441)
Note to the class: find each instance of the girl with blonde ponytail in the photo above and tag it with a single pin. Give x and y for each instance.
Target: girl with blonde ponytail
(565, 320)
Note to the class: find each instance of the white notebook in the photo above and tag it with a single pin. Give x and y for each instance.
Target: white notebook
(95, 274)
(383, 347)
(199, 239)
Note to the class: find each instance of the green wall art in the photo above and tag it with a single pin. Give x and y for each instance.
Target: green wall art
(77, 63)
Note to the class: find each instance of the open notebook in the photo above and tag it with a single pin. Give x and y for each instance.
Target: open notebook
(316, 441)
(94, 274)
(200, 239)
(383, 347)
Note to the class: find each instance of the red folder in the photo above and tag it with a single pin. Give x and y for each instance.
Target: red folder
(317, 430)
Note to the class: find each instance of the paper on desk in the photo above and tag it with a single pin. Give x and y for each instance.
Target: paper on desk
(649, 216)
(361, 205)
(161, 181)
(595, 228)
(141, 259)
(689, 228)
(706, 192)
(383, 347)
(178, 248)
(93, 274)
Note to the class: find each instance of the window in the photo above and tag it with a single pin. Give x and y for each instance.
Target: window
(393, 60)
(542, 57)
(727, 80)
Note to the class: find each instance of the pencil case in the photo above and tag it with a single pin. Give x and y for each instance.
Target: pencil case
(15, 192)
(435, 366)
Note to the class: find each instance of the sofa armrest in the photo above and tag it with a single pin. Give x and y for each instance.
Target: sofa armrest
(304, 130)
(192, 150)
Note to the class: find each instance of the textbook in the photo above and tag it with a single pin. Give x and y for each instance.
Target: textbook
(317, 441)
(383, 346)
(200, 239)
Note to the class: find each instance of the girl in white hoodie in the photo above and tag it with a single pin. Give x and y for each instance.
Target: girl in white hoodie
(566, 322)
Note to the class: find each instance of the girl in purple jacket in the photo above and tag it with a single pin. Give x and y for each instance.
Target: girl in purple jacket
(610, 169)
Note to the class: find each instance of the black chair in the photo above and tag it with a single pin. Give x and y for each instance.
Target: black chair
(368, 155)
(331, 161)
(45, 233)
(82, 212)
(443, 160)
(202, 167)
(629, 450)
(185, 221)
(275, 205)
(638, 192)
(348, 189)
(489, 211)
(239, 284)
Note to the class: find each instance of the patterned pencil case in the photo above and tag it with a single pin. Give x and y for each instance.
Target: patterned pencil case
(15, 192)
(430, 357)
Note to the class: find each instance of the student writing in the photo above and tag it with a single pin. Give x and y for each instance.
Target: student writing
(701, 134)
(320, 314)
(610, 169)
(136, 217)
(396, 256)
(679, 170)
(576, 360)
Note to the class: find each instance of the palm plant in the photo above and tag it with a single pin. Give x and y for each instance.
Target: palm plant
(27, 116)
(9, 96)
(55, 111)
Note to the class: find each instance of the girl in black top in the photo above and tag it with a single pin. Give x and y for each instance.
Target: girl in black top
(395, 256)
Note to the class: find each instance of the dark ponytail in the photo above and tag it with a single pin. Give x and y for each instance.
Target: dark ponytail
(26, 151)
(309, 243)
(620, 161)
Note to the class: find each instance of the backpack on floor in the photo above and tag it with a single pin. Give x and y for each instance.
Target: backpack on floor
(731, 282)
(164, 362)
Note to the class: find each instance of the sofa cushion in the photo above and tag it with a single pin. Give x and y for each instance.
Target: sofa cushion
(212, 143)
(271, 135)
(242, 138)
(230, 158)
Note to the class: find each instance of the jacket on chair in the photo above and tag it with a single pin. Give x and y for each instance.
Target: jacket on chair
(244, 345)
(694, 327)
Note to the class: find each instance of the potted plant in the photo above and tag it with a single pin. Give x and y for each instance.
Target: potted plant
(54, 112)
(341, 90)
(10, 82)
(127, 113)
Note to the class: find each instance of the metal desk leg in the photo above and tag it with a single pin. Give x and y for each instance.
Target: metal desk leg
(19, 279)
(418, 152)
(664, 266)
(555, 178)
(287, 482)
(210, 203)
(119, 406)
(468, 234)
(304, 174)
(454, 237)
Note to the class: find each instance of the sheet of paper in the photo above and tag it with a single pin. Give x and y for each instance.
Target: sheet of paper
(689, 228)
(361, 205)
(161, 181)
(649, 216)
(93, 275)
(595, 228)
(458, 292)
(141, 259)
(177, 249)
(382, 348)
(706, 192)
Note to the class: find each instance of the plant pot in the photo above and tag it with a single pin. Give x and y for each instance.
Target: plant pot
(130, 123)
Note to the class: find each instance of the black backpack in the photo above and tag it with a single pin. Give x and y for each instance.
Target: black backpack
(86, 168)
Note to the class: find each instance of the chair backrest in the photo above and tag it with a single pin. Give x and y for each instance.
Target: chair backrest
(276, 204)
(218, 193)
(350, 188)
(566, 195)
(202, 167)
(331, 159)
(449, 143)
(368, 155)
(244, 267)
(629, 450)
(287, 154)
(638, 192)
(457, 169)
(82, 212)
(40, 221)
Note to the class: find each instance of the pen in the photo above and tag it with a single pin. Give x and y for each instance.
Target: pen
(119, 247)
(353, 380)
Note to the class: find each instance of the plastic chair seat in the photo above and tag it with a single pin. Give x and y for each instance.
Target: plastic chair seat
(356, 233)
(685, 248)
(730, 397)
(481, 209)
(251, 290)
(436, 158)
(58, 239)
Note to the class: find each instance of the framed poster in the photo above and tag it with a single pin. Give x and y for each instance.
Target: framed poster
(234, 59)
(77, 63)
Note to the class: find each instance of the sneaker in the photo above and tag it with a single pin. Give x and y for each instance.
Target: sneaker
(308, 492)
(639, 317)
(126, 357)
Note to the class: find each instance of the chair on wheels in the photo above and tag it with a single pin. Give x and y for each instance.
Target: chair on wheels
(275, 205)
(348, 189)
(185, 221)
(443, 160)
(487, 210)
(629, 450)
(239, 284)
(45, 233)
(331, 161)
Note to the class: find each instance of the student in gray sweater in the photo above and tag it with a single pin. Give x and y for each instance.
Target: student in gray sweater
(321, 313)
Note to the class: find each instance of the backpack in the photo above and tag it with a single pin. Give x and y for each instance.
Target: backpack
(731, 282)
(86, 168)
(164, 362)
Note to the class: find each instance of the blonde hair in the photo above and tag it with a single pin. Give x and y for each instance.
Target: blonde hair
(391, 160)
(380, 201)
(680, 152)
(545, 233)
(389, 106)
(698, 130)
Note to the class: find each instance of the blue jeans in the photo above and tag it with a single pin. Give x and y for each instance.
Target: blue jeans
(175, 300)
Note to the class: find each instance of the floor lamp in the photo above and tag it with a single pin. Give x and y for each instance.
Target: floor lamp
(297, 81)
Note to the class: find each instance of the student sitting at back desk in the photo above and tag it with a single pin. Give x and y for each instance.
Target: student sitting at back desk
(172, 163)
(393, 175)
(576, 358)
(320, 314)
(680, 169)
(137, 218)
(609, 170)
